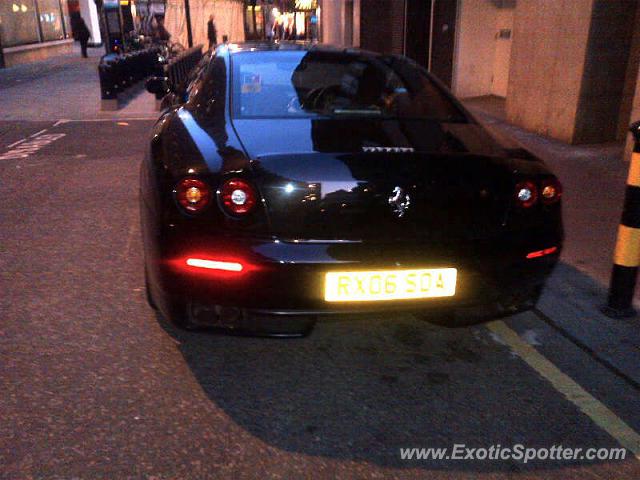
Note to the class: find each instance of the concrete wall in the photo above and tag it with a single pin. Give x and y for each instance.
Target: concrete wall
(604, 74)
(36, 52)
(502, 52)
(630, 83)
(89, 14)
(356, 22)
(571, 62)
(338, 28)
(475, 48)
(332, 26)
(229, 18)
(547, 59)
(482, 58)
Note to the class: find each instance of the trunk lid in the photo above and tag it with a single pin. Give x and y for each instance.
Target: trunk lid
(336, 178)
(384, 196)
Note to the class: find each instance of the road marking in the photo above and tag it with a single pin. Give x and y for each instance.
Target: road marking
(589, 405)
(130, 237)
(115, 120)
(25, 139)
(25, 149)
(16, 143)
(38, 133)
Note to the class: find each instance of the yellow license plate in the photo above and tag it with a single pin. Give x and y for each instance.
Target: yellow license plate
(377, 285)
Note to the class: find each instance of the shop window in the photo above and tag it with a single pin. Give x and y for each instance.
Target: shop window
(66, 9)
(254, 22)
(51, 20)
(18, 22)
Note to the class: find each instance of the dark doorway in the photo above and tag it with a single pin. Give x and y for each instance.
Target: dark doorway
(418, 37)
(417, 32)
(443, 39)
(378, 22)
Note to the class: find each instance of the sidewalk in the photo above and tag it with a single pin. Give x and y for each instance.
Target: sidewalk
(64, 87)
(594, 179)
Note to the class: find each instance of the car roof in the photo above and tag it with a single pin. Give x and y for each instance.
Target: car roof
(265, 46)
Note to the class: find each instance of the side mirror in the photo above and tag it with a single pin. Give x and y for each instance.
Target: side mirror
(159, 86)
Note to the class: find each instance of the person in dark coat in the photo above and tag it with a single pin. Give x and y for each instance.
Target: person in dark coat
(80, 32)
(212, 33)
(161, 34)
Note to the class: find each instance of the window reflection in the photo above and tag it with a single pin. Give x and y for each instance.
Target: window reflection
(302, 84)
(50, 20)
(31, 21)
(18, 22)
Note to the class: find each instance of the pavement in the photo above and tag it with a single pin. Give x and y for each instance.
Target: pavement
(93, 384)
(64, 87)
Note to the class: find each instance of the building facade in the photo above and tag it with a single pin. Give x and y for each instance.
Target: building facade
(567, 69)
(33, 29)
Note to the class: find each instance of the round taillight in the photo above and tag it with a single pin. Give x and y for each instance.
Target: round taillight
(237, 196)
(192, 194)
(550, 191)
(526, 194)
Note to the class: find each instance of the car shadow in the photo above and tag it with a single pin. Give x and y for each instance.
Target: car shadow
(361, 388)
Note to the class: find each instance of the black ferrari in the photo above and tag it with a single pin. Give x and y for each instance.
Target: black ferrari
(287, 182)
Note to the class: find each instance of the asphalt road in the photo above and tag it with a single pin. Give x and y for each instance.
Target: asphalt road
(94, 385)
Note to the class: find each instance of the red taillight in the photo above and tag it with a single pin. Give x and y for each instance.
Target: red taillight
(550, 191)
(192, 194)
(237, 196)
(526, 194)
(215, 264)
(542, 253)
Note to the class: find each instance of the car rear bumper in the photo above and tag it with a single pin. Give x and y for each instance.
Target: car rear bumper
(286, 279)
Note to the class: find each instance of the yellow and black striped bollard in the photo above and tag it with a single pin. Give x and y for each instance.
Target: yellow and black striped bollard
(626, 258)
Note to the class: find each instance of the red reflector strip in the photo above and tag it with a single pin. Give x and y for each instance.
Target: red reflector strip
(542, 253)
(215, 265)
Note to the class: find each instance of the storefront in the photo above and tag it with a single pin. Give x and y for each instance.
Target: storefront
(282, 19)
(33, 29)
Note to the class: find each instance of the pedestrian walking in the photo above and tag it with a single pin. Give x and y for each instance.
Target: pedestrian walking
(80, 32)
(212, 33)
(160, 33)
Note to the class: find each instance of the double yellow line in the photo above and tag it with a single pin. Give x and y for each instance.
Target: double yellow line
(572, 391)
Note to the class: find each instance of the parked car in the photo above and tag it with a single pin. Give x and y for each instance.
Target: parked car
(289, 182)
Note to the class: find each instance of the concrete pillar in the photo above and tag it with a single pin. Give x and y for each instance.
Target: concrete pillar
(89, 14)
(568, 64)
(332, 22)
(341, 22)
(356, 23)
(604, 74)
(630, 84)
(547, 59)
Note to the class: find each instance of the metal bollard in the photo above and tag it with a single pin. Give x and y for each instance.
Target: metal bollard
(626, 258)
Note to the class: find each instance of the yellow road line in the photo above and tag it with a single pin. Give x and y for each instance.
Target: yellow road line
(589, 405)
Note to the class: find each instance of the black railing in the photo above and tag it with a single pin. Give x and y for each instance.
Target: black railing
(119, 72)
(178, 69)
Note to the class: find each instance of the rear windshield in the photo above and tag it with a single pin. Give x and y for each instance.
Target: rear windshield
(319, 83)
